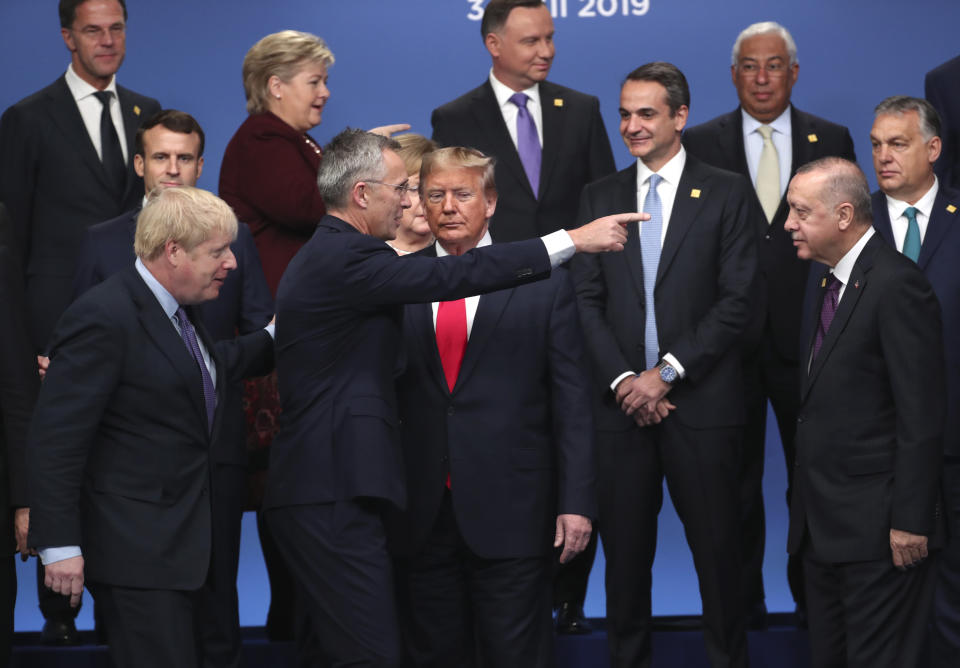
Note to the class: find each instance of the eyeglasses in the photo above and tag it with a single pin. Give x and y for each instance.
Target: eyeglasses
(399, 188)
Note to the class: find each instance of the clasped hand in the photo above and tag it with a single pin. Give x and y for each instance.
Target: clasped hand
(643, 397)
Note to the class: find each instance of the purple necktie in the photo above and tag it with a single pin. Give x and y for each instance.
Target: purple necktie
(189, 336)
(528, 143)
(829, 309)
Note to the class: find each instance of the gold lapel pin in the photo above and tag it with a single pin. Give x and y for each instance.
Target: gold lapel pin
(136, 110)
(695, 193)
(557, 102)
(823, 283)
(812, 138)
(951, 208)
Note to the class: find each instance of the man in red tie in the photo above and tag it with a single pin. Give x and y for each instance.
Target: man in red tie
(497, 445)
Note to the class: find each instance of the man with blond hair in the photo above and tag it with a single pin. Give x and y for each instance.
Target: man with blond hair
(119, 452)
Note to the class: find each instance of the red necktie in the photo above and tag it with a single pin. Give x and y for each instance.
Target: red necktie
(451, 337)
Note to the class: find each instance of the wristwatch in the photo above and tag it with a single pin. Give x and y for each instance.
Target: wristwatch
(668, 374)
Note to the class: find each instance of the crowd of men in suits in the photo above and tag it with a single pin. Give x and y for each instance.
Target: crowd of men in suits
(557, 359)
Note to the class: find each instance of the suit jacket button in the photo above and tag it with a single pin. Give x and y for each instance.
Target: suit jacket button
(799, 419)
(450, 410)
(766, 237)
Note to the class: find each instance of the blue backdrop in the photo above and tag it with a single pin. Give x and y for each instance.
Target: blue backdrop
(398, 59)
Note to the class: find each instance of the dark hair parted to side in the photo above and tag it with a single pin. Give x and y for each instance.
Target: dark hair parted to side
(496, 13)
(68, 11)
(670, 77)
(845, 183)
(173, 120)
(353, 155)
(930, 125)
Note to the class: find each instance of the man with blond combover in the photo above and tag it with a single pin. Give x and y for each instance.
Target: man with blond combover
(919, 215)
(497, 439)
(764, 69)
(120, 447)
(865, 518)
(336, 464)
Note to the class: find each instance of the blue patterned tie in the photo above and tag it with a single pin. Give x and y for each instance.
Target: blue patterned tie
(189, 336)
(911, 242)
(528, 142)
(650, 251)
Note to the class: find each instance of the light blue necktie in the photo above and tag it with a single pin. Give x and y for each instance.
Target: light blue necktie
(911, 242)
(650, 252)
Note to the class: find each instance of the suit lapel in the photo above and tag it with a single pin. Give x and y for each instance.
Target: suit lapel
(731, 141)
(941, 220)
(881, 218)
(485, 321)
(692, 192)
(131, 122)
(627, 201)
(554, 122)
(487, 114)
(66, 116)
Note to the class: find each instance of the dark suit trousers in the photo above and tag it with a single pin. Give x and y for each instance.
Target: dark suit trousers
(867, 614)
(8, 599)
(767, 375)
(337, 553)
(150, 628)
(570, 579)
(946, 599)
(700, 467)
(461, 610)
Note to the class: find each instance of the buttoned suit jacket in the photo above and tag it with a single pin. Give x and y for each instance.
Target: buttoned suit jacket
(576, 151)
(54, 185)
(119, 450)
(870, 431)
(516, 432)
(339, 320)
(783, 276)
(705, 290)
(940, 89)
(938, 258)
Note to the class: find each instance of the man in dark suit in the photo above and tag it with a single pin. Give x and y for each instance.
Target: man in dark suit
(539, 180)
(663, 329)
(18, 392)
(63, 167)
(125, 433)
(764, 69)
(169, 153)
(497, 443)
(918, 215)
(865, 516)
(336, 462)
(940, 88)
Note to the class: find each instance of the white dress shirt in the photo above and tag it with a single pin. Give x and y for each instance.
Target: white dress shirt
(91, 109)
(470, 303)
(898, 221)
(509, 109)
(782, 139)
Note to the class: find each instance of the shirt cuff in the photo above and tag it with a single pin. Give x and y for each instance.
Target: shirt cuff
(616, 381)
(271, 329)
(51, 555)
(560, 247)
(675, 363)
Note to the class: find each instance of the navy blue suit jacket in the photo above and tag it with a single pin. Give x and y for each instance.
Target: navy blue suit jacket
(244, 304)
(516, 432)
(940, 262)
(339, 319)
(940, 88)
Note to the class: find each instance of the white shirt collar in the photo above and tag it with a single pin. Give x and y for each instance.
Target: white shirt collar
(80, 89)
(485, 240)
(670, 172)
(780, 124)
(845, 265)
(503, 92)
(924, 205)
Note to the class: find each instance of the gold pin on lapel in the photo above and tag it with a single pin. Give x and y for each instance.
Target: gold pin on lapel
(823, 282)
(557, 102)
(951, 208)
(695, 193)
(136, 110)
(812, 138)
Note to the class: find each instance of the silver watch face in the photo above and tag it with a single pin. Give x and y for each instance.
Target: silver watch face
(668, 374)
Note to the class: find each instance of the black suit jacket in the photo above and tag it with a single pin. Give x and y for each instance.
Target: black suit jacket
(782, 275)
(119, 459)
(576, 151)
(243, 306)
(940, 88)
(705, 290)
(516, 432)
(940, 262)
(18, 385)
(54, 185)
(339, 321)
(870, 430)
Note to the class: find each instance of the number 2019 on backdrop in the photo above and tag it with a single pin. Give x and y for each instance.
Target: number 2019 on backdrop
(584, 8)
